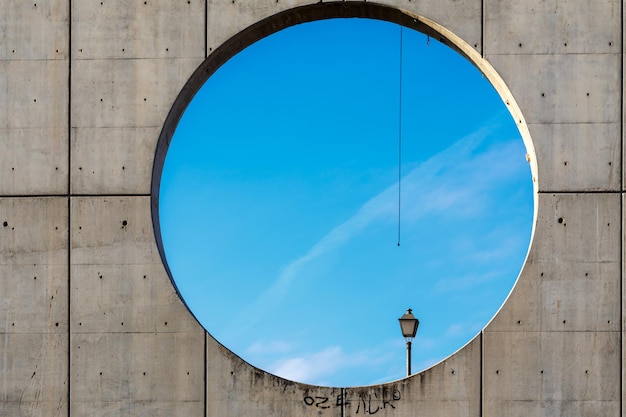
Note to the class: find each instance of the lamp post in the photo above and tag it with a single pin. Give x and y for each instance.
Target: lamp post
(408, 325)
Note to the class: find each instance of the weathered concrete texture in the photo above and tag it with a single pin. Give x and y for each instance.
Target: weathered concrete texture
(135, 348)
(129, 61)
(90, 323)
(34, 100)
(33, 306)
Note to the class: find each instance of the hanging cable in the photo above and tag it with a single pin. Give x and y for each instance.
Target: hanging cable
(400, 136)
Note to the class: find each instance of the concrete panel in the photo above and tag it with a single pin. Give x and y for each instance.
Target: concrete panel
(535, 368)
(563, 156)
(33, 161)
(33, 298)
(577, 88)
(34, 94)
(33, 374)
(33, 306)
(573, 269)
(33, 127)
(132, 373)
(553, 408)
(127, 298)
(226, 18)
(552, 27)
(112, 231)
(100, 94)
(138, 29)
(126, 92)
(461, 17)
(113, 160)
(452, 388)
(33, 231)
(34, 30)
(118, 281)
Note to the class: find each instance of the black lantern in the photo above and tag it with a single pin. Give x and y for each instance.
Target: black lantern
(408, 325)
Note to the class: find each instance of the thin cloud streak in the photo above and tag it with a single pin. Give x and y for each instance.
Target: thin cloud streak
(433, 186)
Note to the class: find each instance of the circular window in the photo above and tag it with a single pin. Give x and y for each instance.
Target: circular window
(332, 175)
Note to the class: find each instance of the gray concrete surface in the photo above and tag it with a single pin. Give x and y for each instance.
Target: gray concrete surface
(90, 323)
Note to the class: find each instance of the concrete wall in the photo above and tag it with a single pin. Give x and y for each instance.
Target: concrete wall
(90, 324)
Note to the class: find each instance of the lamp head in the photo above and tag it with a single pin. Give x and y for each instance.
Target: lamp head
(408, 325)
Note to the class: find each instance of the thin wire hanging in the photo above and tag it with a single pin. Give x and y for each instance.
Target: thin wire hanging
(400, 135)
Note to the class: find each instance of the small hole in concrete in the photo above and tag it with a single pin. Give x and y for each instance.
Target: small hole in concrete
(560, 220)
(166, 323)
(564, 321)
(124, 223)
(100, 373)
(498, 371)
(586, 274)
(56, 324)
(587, 94)
(35, 278)
(122, 323)
(565, 163)
(610, 163)
(542, 371)
(586, 371)
(565, 44)
(452, 372)
(5, 224)
(519, 322)
(520, 45)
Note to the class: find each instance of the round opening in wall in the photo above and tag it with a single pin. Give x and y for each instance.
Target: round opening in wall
(328, 177)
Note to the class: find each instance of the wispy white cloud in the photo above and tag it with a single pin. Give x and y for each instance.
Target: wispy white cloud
(327, 364)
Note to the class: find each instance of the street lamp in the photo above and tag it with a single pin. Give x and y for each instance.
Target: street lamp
(408, 325)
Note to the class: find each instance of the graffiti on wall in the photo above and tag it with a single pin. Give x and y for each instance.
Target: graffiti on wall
(363, 403)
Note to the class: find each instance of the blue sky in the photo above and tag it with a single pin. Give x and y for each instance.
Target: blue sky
(279, 202)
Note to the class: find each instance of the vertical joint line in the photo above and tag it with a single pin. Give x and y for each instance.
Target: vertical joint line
(621, 204)
(482, 29)
(482, 373)
(69, 208)
(206, 372)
